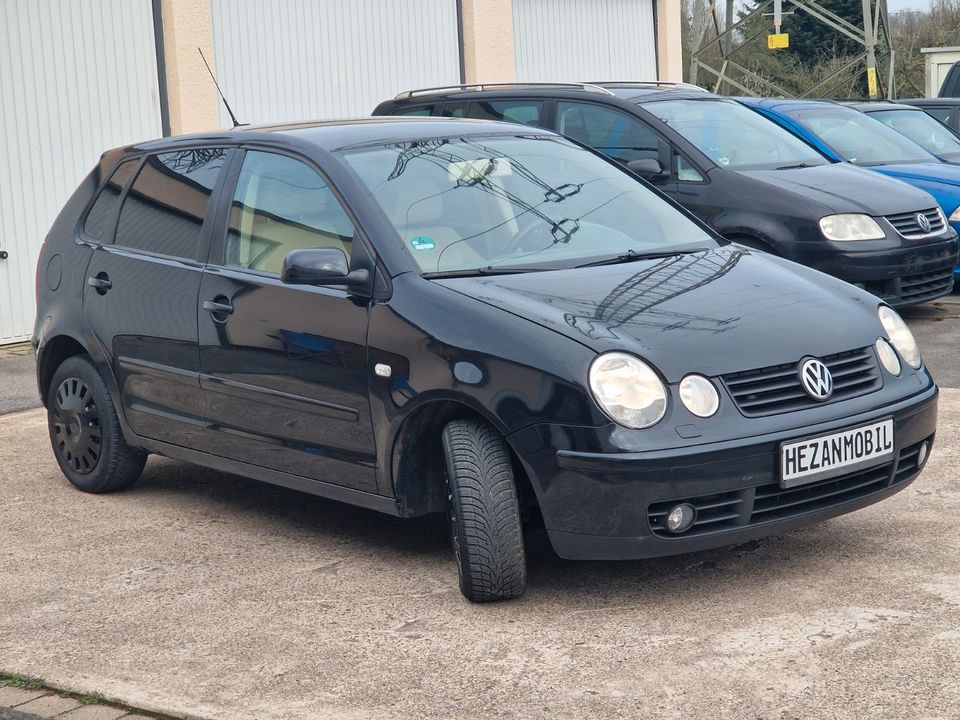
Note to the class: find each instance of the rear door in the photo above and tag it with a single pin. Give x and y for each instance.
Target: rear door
(141, 293)
(284, 368)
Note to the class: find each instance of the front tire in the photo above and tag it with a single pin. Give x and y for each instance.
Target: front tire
(484, 512)
(85, 430)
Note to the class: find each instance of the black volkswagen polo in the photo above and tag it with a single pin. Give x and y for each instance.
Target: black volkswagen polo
(471, 318)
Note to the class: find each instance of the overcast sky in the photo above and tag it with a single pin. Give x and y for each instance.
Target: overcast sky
(898, 5)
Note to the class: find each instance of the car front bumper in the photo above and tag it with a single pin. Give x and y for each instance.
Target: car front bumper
(902, 276)
(606, 506)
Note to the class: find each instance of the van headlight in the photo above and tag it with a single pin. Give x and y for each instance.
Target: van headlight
(850, 226)
(628, 390)
(900, 336)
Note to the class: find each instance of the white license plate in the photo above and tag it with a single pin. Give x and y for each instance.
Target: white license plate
(815, 458)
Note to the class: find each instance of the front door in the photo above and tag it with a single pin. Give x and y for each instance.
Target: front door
(283, 367)
(140, 295)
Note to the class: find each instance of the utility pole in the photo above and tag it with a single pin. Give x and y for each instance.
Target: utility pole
(870, 43)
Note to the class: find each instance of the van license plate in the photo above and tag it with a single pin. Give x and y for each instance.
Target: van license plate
(815, 458)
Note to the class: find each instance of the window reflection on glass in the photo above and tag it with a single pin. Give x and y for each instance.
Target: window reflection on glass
(515, 201)
(609, 131)
(922, 129)
(164, 210)
(522, 112)
(718, 128)
(98, 217)
(281, 204)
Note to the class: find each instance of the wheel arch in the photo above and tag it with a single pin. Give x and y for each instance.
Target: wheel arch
(51, 355)
(416, 454)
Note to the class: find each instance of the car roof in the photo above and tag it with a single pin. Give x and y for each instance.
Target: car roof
(933, 101)
(334, 135)
(774, 103)
(623, 89)
(869, 107)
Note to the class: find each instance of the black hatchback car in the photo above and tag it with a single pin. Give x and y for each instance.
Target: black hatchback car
(471, 318)
(749, 179)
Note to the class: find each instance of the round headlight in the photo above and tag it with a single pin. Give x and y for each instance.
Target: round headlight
(900, 336)
(888, 357)
(628, 390)
(699, 395)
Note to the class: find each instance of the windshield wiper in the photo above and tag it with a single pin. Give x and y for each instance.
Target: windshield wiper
(480, 271)
(797, 166)
(632, 255)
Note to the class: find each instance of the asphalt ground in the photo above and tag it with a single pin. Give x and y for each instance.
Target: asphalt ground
(200, 593)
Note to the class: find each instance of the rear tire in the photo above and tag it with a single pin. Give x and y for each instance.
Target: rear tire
(85, 430)
(484, 512)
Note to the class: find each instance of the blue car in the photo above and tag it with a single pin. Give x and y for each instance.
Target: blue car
(844, 134)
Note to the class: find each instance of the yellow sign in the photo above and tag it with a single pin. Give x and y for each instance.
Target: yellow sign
(778, 41)
(872, 82)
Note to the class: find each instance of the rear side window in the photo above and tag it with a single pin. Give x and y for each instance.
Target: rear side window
(99, 216)
(940, 113)
(164, 210)
(280, 205)
(522, 112)
(615, 134)
(418, 111)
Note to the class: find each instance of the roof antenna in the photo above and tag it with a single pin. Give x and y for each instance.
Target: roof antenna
(236, 123)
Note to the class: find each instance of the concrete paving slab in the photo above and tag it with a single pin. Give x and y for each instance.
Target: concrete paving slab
(201, 593)
(49, 706)
(13, 696)
(95, 712)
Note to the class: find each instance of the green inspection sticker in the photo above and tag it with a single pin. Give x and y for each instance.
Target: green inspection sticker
(422, 243)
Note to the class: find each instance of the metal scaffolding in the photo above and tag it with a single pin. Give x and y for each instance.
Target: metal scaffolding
(872, 35)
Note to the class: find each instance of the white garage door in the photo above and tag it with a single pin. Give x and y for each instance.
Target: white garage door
(76, 78)
(282, 60)
(583, 40)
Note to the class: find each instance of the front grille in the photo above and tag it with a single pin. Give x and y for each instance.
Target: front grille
(740, 508)
(777, 388)
(906, 223)
(917, 288)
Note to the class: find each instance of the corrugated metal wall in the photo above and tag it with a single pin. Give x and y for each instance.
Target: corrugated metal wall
(76, 78)
(582, 40)
(302, 59)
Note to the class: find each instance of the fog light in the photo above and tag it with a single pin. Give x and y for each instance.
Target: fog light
(681, 518)
(888, 356)
(922, 454)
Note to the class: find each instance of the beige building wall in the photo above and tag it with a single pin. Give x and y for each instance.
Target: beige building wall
(488, 53)
(192, 97)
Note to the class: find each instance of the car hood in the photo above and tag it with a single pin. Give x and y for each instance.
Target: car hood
(846, 188)
(943, 173)
(711, 312)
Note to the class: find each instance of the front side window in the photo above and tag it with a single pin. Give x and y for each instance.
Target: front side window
(606, 130)
(922, 129)
(164, 210)
(96, 222)
(733, 136)
(507, 202)
(282, 204)
(858, 138)
(522, 112)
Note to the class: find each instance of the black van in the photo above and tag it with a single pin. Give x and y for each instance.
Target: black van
(751, 180)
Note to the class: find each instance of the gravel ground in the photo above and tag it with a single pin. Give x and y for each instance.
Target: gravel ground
(203, 593)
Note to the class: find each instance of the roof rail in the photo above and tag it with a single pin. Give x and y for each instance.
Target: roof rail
(656, 83)
(589, 87)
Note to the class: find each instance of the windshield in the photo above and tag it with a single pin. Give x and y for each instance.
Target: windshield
(924, 130)
(858, 138)
(501, 201)
(735, 137)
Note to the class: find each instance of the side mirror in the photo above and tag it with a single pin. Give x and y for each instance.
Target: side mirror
(321, 266)
(648, 168)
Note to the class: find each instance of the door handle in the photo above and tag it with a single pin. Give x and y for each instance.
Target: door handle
(101, 283)
(218, 308)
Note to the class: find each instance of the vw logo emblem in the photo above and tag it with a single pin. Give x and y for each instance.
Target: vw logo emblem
(816, 379)
(924, 222)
